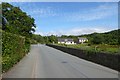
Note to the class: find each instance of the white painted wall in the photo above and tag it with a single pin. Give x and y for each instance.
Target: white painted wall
(81, 41)
(66, 43)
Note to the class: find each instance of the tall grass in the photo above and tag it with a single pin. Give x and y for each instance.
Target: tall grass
(95, 48)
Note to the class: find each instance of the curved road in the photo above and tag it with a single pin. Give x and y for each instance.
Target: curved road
(47, 62)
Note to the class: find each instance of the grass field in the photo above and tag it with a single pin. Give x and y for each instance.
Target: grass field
(97, 48)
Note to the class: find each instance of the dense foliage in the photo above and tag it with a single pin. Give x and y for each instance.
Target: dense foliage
(14, 47)
(17, 29)
(111, 37)
(44, 39)
(19, 21)
(38, 38)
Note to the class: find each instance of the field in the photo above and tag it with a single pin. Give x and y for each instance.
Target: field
(96, 48)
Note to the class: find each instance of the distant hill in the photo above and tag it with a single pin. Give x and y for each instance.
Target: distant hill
(111, 37)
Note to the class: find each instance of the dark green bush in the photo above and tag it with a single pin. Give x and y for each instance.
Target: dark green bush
(14, 47)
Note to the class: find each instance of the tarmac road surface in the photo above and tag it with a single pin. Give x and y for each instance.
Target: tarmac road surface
(47, 62)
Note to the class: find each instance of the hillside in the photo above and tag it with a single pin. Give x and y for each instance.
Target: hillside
(111, 37)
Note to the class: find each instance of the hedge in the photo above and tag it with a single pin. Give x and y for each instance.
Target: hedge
(14, 48)
(105, 59)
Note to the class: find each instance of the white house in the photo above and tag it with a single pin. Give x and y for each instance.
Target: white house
(82, 39)
(65, 41)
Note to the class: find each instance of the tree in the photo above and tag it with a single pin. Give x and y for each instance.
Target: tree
(52, 39)
(64, 36)
(19, 21)
(38, 38)
(97, 39)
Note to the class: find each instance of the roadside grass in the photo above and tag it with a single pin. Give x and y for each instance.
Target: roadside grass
(95, 48)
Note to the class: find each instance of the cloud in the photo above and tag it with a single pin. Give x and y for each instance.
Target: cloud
(34, 10)
(76, 31)
(100, 12)
(44, 12)
(97, 13)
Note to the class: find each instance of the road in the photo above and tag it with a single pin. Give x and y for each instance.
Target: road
(47, 62)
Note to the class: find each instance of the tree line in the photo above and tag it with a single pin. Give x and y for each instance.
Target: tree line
(111, 38)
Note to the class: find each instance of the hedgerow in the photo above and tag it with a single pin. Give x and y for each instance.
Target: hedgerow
(14, 48)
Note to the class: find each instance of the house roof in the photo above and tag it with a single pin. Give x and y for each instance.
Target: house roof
(82, 38)
(65, 40)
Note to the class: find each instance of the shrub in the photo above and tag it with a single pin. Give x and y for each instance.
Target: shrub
(14, 47)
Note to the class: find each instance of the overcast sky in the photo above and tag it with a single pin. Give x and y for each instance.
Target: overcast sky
(71, 18)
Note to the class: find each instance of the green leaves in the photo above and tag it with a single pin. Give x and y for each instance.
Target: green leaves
(19, 21)
(14, 47)
(97, 39)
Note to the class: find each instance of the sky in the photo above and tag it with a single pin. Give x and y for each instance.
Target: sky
(61, 1)
(71, 18)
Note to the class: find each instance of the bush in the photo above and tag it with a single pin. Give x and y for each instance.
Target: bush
(32, 41)
(14, 47)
